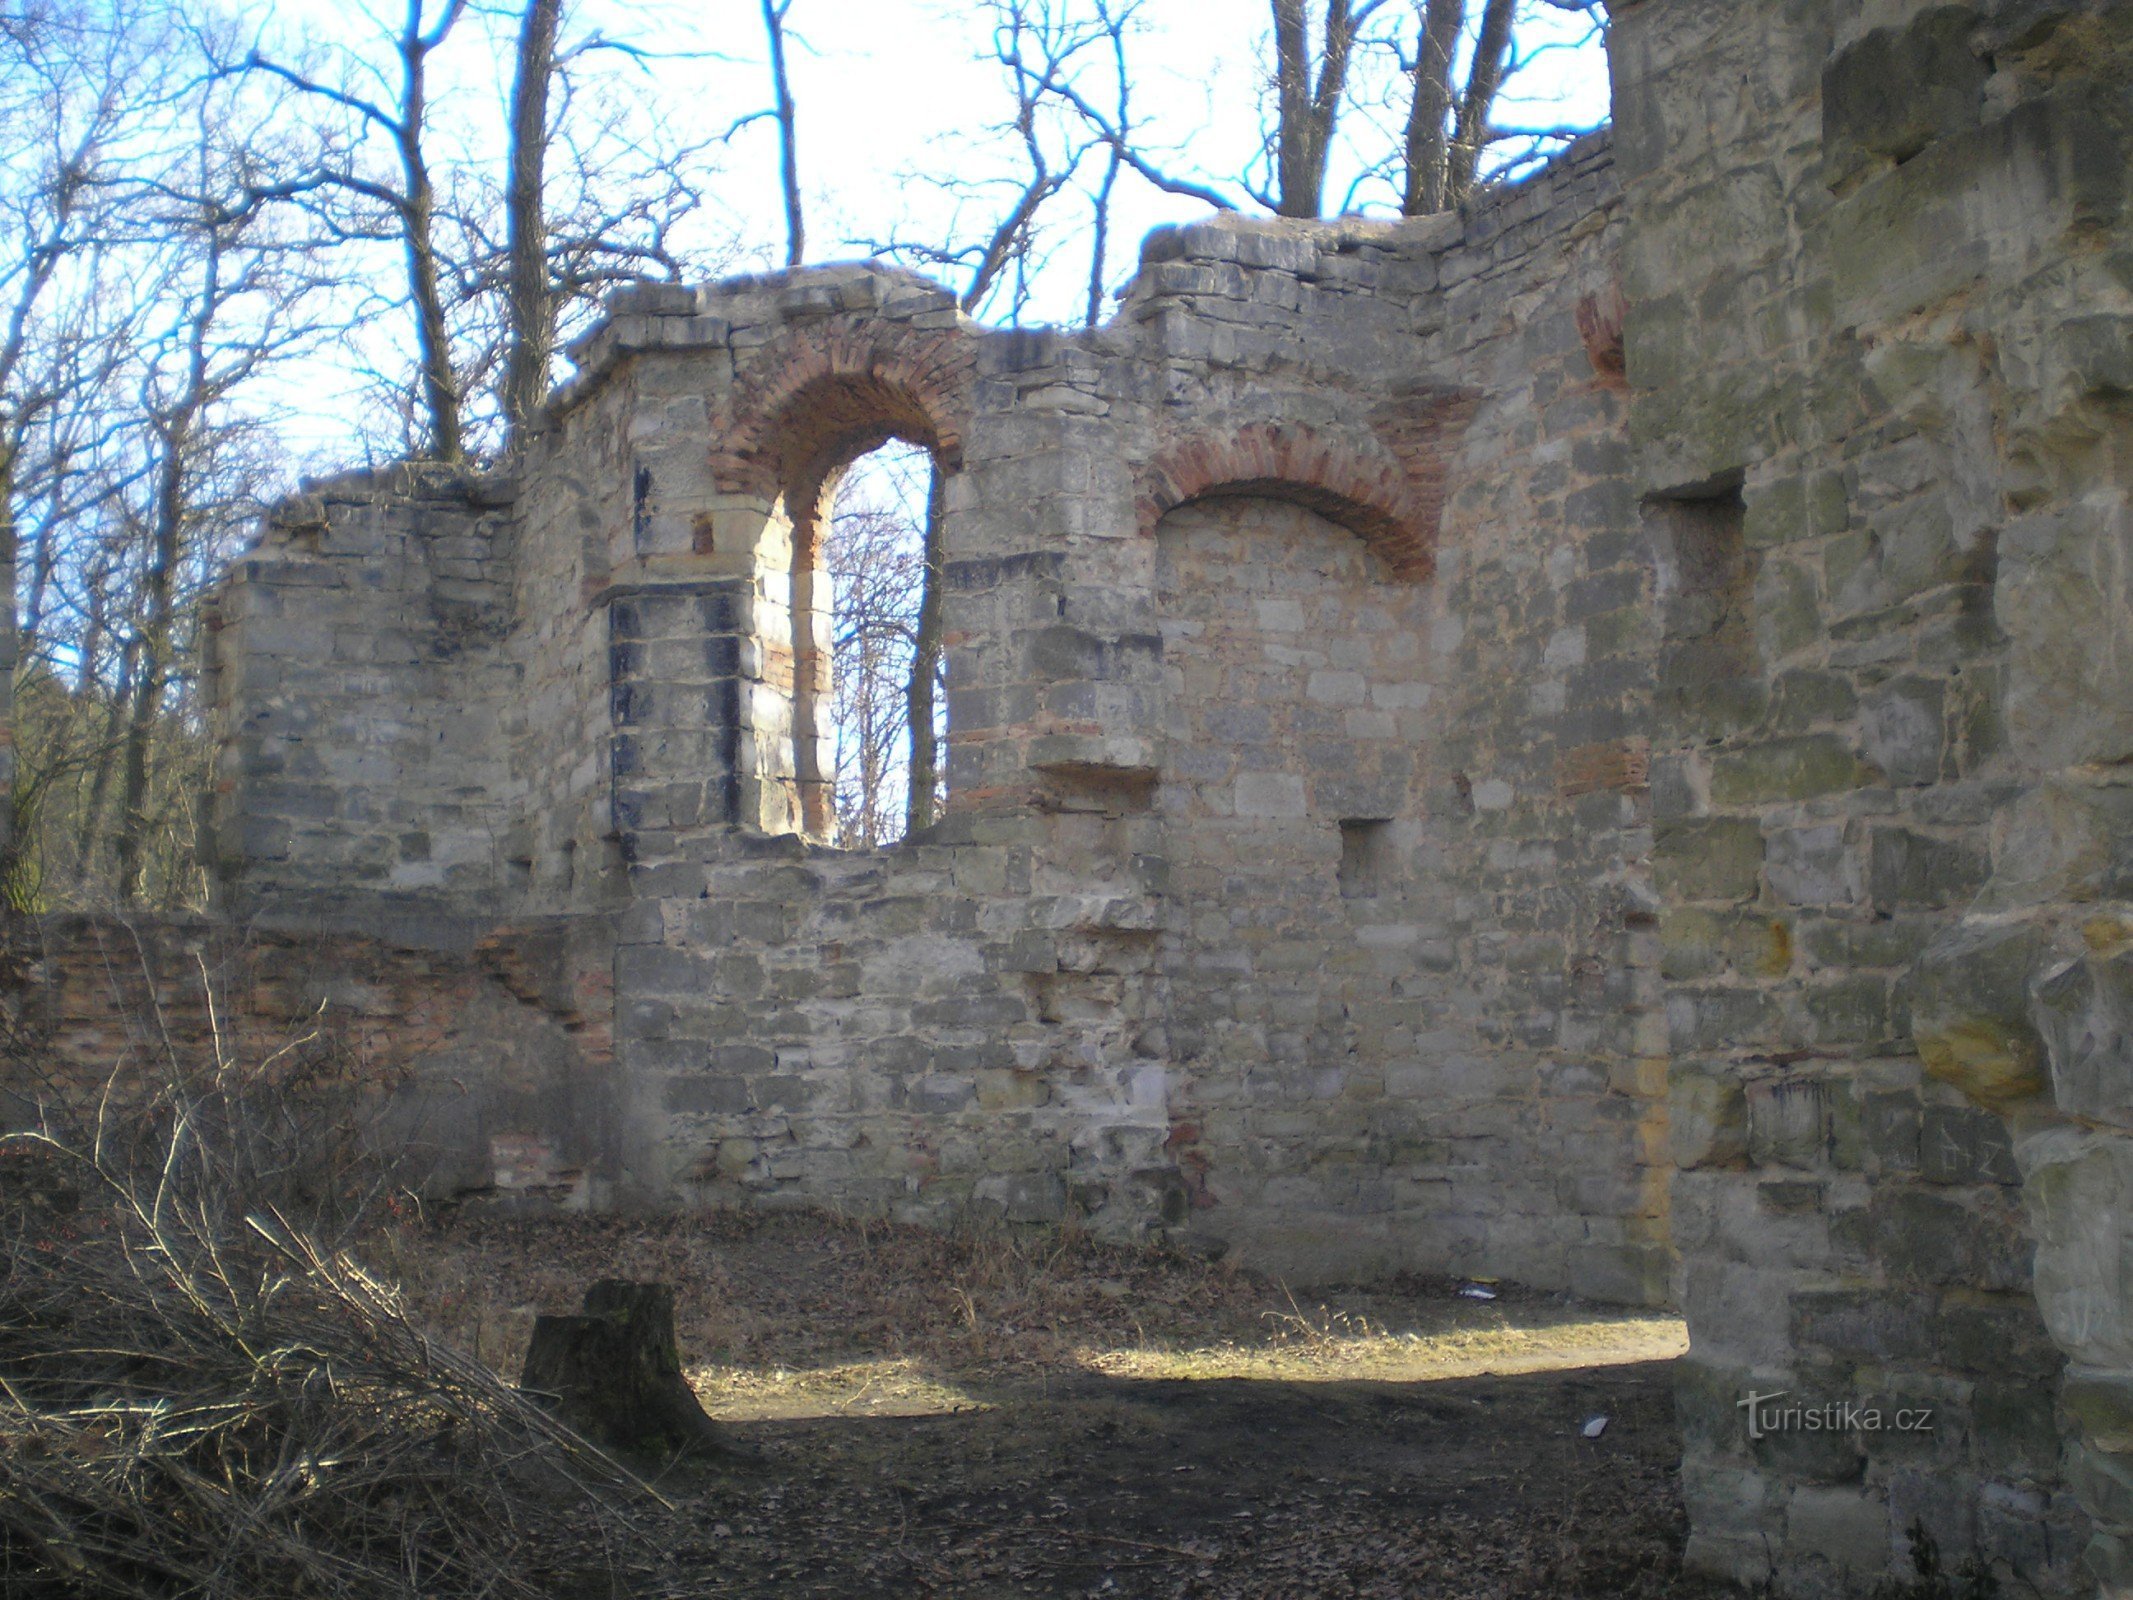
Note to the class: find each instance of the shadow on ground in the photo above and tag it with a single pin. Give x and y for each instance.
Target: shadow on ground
(1090, 1485)
(1051, 1416)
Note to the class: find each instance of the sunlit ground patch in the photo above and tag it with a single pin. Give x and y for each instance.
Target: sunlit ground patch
(885, 1388)
(1318, 1349)
(1338, 1353)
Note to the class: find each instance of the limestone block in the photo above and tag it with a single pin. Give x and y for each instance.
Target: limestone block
(1705, 1118)
(1847, 1527)
(1788, 1121)
(1928, 1237)
(2101, 1404)
(1894, 91)
(2061, 598)
(1907, 869)
(2078, 1187)
(1970, 1016)
(1796, 768)
(2084, 1010)
(1708, 858)
(2064, 840)
(1814, 866)
(1903, 729)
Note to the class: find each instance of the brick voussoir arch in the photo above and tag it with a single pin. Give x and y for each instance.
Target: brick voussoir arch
(819, 393)
(1350, 478)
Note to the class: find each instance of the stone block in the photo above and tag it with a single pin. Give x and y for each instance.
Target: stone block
(2101, 1405)
(2077, 1185)
(1927, 1237)
(1908, 870)
(1903, 729)
(1874, 1327)
(2070, 686)
(1708, 858)
(1848, 1528)
(1776, 770)
(701, 1094)
(1814, 866)
(1970, 1017)
(1895, 90)
(1788, 1122)
(1707, 1118)
(2085, 1012)
(2064, 840)
(1959, 1144)
(1999, 1337)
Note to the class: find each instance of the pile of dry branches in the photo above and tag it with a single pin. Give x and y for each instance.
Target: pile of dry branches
(199, 1398)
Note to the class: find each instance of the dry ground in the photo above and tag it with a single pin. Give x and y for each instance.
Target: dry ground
(994, 1415)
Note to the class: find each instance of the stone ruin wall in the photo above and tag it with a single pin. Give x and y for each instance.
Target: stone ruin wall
(1877, 343)
(1583, 742)
(1130, 974)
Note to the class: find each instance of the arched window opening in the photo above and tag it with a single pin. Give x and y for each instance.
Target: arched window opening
(888, 718)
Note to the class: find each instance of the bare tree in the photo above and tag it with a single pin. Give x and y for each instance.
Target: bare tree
(530, 305)
(412, 201)
(1430, 110)
(774, 14)
(1307, 103)
(876, 561)
(238, 305)
(1035, 46)
(65, 83)
(1492, 46)
(1448, 124)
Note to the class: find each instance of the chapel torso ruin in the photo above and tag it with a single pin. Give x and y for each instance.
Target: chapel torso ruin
(1583, 741)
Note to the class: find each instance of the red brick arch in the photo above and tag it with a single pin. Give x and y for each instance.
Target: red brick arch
(829, 391)
(1350, 478)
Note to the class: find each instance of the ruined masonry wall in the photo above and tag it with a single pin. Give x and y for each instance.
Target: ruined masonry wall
(1063, 998)
(1877, 336)
(482, 1067)
(1584, 740)
(358, 651)
(1134, 973)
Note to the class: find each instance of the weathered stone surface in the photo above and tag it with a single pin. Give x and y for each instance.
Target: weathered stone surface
(2061, 598)
(1970, 1014)
(2085, 1012)
(1861, 290)
(1707, 1120)
(2078, 1186)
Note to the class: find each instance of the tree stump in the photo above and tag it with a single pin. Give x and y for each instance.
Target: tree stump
(613, 1373)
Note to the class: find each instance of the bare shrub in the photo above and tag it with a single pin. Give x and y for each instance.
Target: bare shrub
(200, 1397)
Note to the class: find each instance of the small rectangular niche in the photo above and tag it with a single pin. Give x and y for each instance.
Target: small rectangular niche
(1367, 857)
(1708, 670)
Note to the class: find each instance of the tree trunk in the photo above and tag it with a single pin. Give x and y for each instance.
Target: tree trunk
(1099, 244)
(154, 663)
(92, 813)
(613, 1373)
(11, 842)
(159, 586)
(440, 384)
(1429, 115)
(788, 146)
(1471, 136)
(531, 302)
(926, 666)
(1303, 138)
